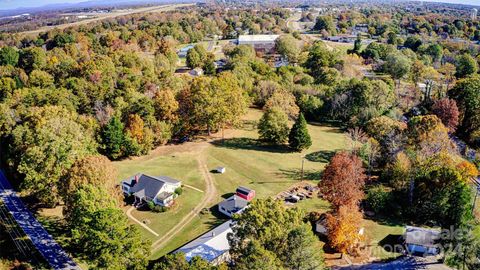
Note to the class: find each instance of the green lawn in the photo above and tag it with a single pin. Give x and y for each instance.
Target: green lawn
(267, 169)
(199, 225)
(379, 234)
(166, 165)
(181, 166)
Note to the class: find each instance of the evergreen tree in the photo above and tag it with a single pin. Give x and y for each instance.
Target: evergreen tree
(273, 126)
(113, 138)
(299, 139)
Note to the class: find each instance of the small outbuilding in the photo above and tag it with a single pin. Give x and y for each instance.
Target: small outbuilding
(245, 193)
(220, 169)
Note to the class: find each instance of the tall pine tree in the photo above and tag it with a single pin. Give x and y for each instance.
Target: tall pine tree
(299, 138)
(113, 138)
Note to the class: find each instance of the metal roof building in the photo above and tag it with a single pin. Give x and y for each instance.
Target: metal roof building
(422, 240)
(212, 246)
(264, 43)
(256, 39)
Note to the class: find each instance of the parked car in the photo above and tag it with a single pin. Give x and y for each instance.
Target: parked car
(292, 199)
(184, 139)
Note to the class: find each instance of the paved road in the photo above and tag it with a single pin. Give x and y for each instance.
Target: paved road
(103, 16)
(404, 263)
(50, 250)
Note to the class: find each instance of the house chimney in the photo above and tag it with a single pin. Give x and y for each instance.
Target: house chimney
(135, 180)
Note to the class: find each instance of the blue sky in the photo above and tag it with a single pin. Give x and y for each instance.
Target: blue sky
(11, 4)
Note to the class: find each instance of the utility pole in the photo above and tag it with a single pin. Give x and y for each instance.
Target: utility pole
(303, 161)
(477, 189)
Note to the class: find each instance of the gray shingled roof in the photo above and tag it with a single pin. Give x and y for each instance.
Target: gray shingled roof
(149, 186)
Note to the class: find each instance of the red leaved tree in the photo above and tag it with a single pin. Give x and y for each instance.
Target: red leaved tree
(446, 109)
(343, 180)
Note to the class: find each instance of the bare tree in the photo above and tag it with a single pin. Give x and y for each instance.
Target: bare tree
(357, 137)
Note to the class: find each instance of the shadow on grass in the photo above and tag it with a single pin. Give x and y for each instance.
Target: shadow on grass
(248, 125)
(58, 229)
(297, 174)
(228, 195)
(250, 144)
(323, 156)
(392, 243)
(336, 126)
(219, 217)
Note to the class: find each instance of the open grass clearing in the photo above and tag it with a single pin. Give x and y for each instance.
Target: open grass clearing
(182, 166)
(267, 169)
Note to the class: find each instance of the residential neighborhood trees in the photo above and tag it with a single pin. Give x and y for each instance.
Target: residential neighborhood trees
(381, 99)
(44, 157)
(467, 96)
(284, 241)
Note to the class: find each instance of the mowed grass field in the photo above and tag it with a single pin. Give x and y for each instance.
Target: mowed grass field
(268, 170)
(181, 166)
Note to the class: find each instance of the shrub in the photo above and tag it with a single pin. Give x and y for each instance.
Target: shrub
(159, 209)
(151, 205)
(178, 191)
(378, 199)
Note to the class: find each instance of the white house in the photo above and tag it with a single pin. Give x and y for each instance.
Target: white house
(182, 53)
(196, 72)
(212, 246)
(145, 188)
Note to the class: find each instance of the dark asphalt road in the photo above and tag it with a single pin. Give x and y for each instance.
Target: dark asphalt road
(404, 263)
(43, 241)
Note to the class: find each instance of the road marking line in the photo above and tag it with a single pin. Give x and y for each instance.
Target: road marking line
(129, 211)
(199, 190)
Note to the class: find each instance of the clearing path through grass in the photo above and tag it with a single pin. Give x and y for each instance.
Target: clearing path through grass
(210, 195)
(267, 169)
(129, 215)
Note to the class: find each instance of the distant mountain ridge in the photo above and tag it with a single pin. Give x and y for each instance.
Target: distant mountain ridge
(85, 4)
